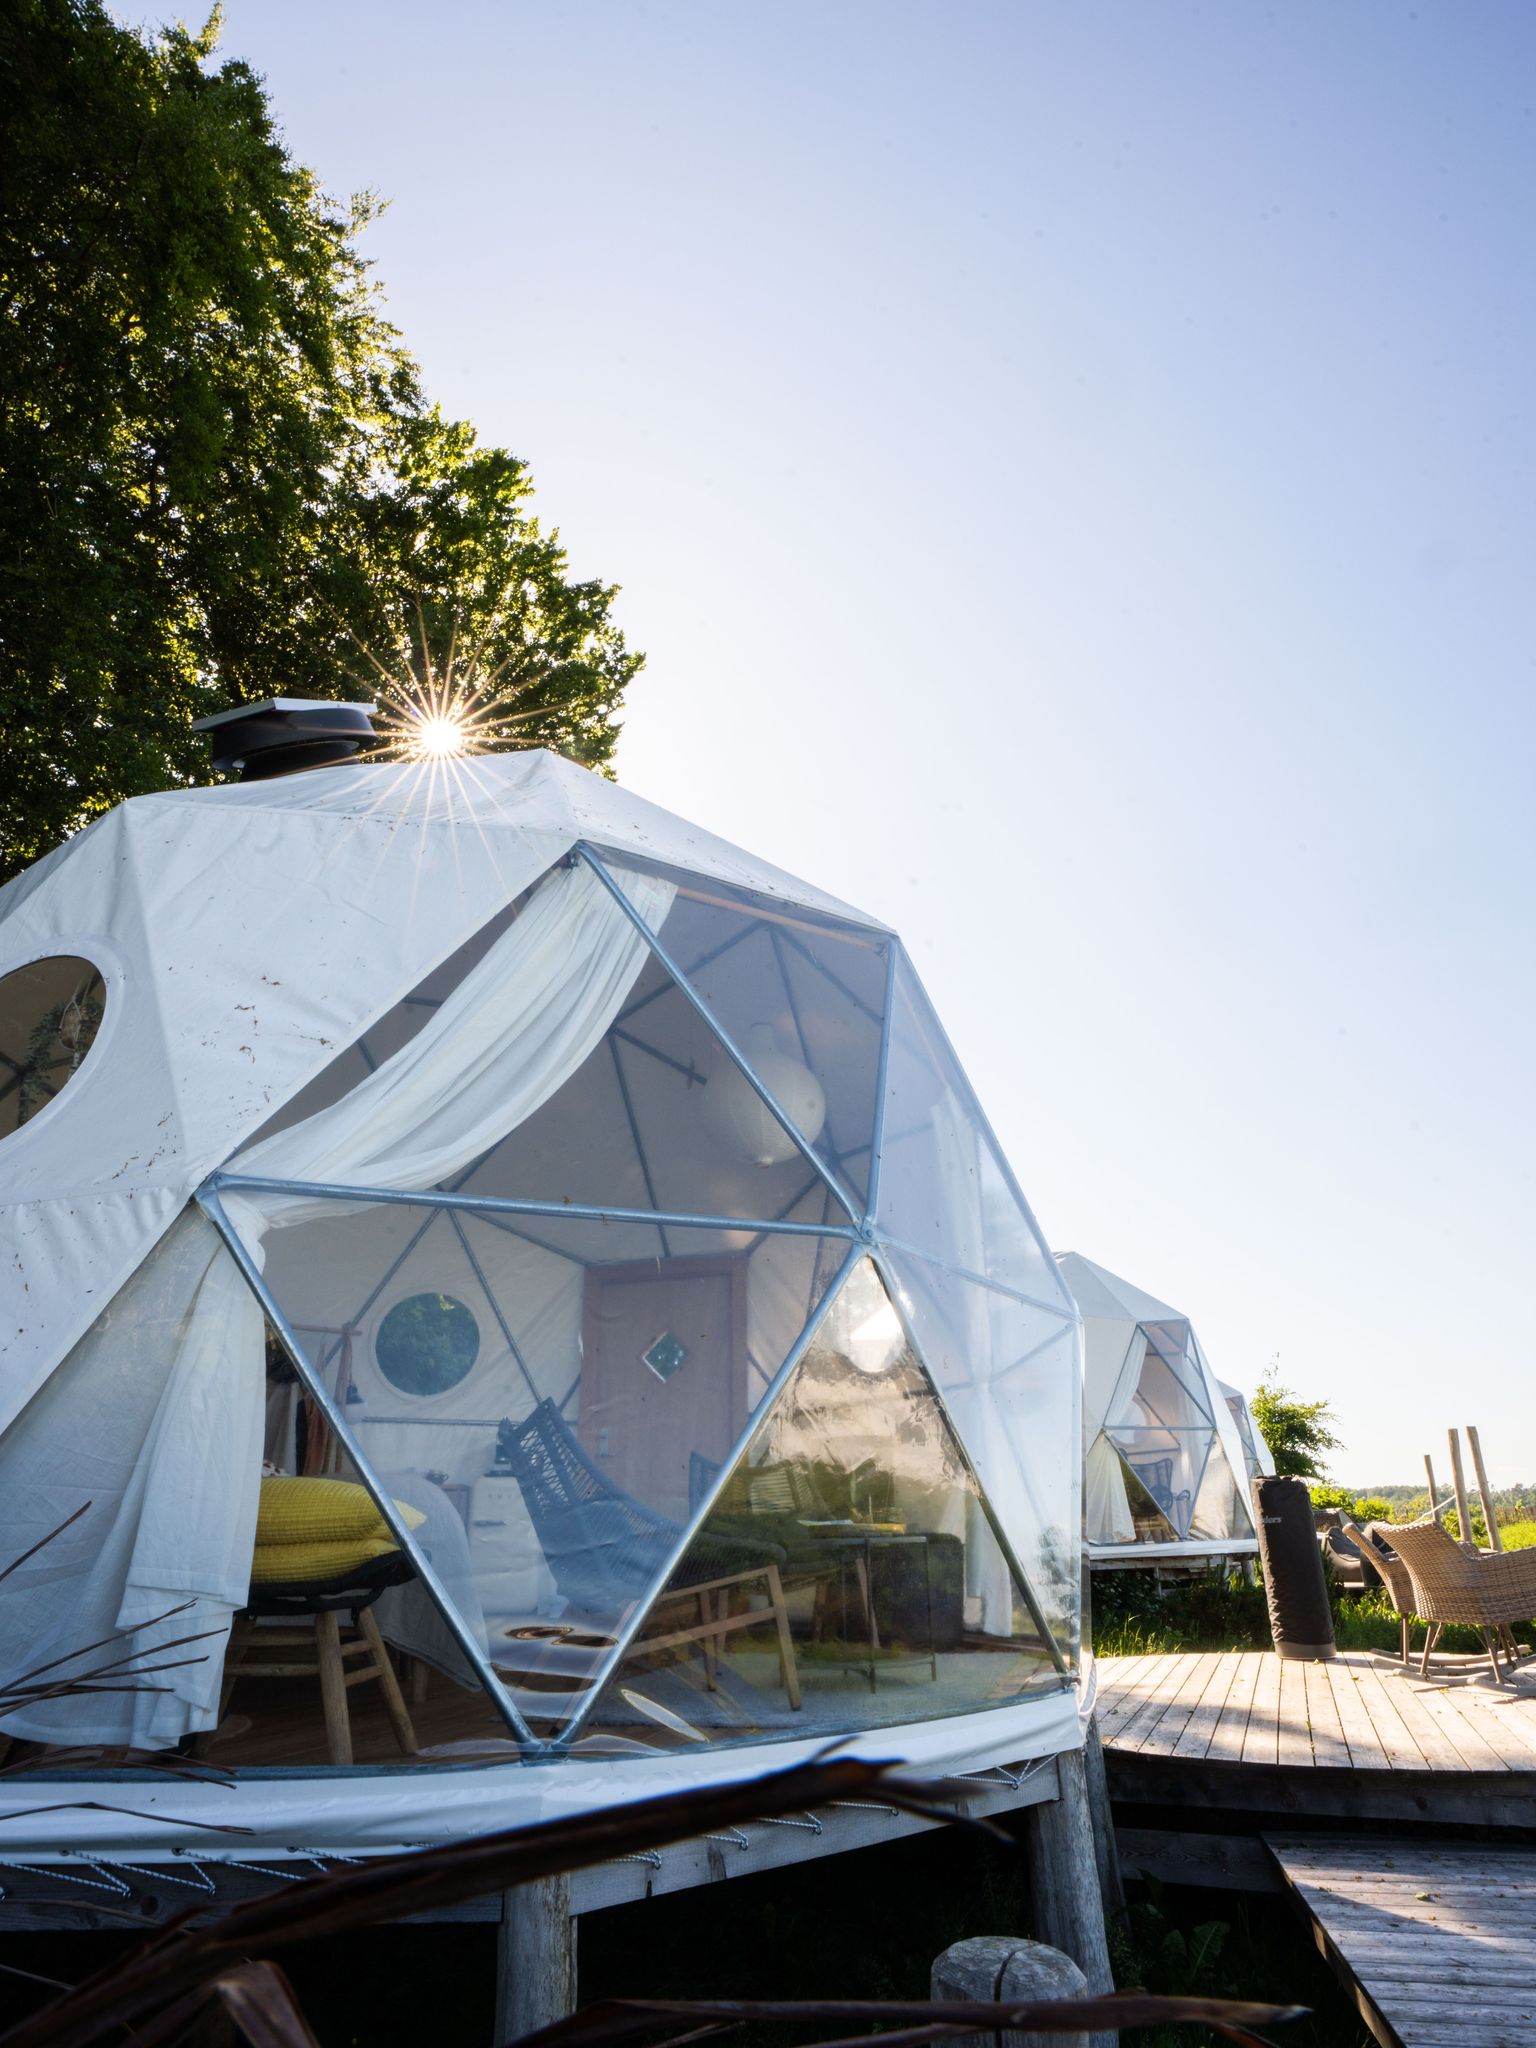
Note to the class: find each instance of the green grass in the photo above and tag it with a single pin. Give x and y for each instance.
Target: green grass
(1133, 1617)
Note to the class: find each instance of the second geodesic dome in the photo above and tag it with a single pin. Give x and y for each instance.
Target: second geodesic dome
(1165, 1467)
(606, 1202)
(1256, 1452)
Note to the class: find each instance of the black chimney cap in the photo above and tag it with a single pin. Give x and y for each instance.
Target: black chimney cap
(282, 735)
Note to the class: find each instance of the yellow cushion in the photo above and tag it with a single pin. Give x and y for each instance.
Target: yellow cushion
(323, 1511)
(302, 1564)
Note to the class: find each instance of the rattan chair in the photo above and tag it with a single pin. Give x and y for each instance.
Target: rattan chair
(1374, 1543)
(1486, 1589)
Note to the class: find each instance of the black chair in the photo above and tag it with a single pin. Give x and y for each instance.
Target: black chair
(316, 1647)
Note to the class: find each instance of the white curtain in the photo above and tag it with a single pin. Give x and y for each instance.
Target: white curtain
(153, 1426)
(512, 1033)
(1106, 1504)
(157, 1418)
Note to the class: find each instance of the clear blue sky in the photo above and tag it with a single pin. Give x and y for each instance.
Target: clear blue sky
(1071, 470)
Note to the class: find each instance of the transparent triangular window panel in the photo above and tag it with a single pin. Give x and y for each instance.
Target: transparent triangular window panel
(1117, 1507)
(168, 1570)
(1008, 1373)
(1220, 1510)
(1169, 1464)
(1171, 1375)
(848, 1573)
(570, 1388)
(1161, 1386)
(1238, 1409)
(944, 1191)
(553, 1060)
(801, 997)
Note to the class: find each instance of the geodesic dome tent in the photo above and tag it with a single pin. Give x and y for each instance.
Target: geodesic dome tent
(1165, 1470)
(1257, 1458)
(606, 1203)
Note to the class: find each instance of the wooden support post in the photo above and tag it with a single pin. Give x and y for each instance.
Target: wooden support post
(1429, 1474)
(1003, 1967)
(535, 1958)
(1105, 1848)
(1458, 1480)
(1064, 1879)
(1490, 1512)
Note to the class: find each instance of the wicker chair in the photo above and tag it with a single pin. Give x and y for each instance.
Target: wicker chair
(1375, 1543)
(1487, 1589)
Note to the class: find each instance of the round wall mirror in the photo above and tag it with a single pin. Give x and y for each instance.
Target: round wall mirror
(427, 1344)
(50, 1013)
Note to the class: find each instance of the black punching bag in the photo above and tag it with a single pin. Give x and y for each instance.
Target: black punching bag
(1299, 1617)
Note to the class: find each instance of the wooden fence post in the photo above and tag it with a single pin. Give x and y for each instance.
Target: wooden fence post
(535, 1958)
(1064, 1879)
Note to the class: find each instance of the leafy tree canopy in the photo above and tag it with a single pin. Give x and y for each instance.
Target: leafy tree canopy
(1299, 1433)
(219, 478)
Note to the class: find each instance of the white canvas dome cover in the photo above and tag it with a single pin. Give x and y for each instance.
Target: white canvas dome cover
(637, 1240)
(1166, 1467)
(1257, 1456)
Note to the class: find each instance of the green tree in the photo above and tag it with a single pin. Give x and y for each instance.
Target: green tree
(219, 478)
(1299, 1433)
(1360, 1507)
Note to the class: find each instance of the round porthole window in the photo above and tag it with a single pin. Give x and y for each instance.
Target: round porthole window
(50, 1013)
(427, 1344)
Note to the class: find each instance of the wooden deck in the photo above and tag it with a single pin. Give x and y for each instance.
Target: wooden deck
(1357, 1738)
(1440, 1941)
(1214, 1760)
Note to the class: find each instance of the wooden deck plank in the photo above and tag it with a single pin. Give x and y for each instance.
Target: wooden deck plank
(1329, 1748)
(1367, 1750)
(1376, 1690)
(1475, 1751)
(1202, 1723)
(1226, 1744)
(1162, 1737)
(1294, 1737)
(1440, 1941)
(1130, 1689)
(1510, 1725)
(1428, 1734)
(1165, 1688)
(1260, 1737)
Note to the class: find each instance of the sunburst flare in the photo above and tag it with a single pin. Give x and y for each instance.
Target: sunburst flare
(434, 713)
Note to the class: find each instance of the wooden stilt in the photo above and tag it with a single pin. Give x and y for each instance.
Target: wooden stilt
(1105, 1849)
(1459, 1482)
(535, 1958)
(1064, 1879)
(1490, 1513)
(1429, 1474)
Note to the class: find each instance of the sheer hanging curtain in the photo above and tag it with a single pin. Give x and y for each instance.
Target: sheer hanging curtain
(1106, 1503)
(157, 1417)
(512, 1033)
(153, 1426)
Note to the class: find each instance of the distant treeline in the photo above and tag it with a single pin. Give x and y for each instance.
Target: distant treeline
(1511, 1503)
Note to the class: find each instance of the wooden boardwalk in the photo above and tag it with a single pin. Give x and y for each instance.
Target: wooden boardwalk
(1358, 1737)
(1440, 1942)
